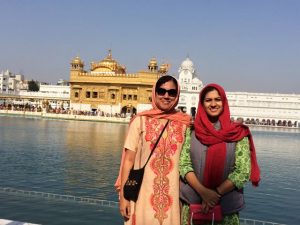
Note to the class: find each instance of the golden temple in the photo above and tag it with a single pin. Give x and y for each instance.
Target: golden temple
(107, 88)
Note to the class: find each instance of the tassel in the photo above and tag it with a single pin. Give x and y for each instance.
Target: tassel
(133, 219)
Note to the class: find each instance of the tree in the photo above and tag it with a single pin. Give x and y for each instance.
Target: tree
(33, 86)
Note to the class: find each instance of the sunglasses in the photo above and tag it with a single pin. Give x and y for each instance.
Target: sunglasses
(162, 92)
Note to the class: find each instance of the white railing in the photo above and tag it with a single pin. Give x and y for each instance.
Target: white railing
(10, 222)
(105, 203)
(257, 222)
(65, 116)
(13, 93)
(47, 195)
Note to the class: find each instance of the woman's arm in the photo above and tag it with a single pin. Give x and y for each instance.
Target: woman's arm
(130, 146)
(128, 164)
(185, 162)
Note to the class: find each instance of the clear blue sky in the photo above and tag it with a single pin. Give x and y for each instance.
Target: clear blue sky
(243, 45)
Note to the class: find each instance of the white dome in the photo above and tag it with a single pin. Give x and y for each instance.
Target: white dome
(187, 64)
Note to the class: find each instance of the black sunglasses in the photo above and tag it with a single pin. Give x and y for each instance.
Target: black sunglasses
(162, 92)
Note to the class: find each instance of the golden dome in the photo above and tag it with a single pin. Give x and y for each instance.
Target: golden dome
(108, 64)
(77, 60)
(153, 62)
(163, 68)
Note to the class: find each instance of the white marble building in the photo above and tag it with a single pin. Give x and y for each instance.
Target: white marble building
(58, 96)
(10, 82)
(265, 108)
(252, 108)
(190, 86)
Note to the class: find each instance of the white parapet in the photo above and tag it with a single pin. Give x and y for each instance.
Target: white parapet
(10, 222)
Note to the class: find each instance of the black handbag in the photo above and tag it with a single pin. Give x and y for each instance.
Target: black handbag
(134, 182)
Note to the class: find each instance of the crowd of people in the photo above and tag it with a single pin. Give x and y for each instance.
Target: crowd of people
(32, 108)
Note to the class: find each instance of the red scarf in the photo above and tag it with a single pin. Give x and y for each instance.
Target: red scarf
(216, 141)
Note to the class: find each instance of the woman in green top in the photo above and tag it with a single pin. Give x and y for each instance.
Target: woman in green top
(217, 159)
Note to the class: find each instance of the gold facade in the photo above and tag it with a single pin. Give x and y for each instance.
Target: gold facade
(107, 83)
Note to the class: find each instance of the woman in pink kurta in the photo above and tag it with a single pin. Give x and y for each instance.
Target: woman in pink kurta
(158, 201)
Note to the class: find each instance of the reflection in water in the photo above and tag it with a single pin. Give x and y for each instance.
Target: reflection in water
(82, 159)
(64, 157)
(277, 198)
(90, 148)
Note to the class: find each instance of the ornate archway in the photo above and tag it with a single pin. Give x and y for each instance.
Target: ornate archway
(128, 110)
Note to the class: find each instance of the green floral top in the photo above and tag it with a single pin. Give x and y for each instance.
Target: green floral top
(241, 173)
(239, 176)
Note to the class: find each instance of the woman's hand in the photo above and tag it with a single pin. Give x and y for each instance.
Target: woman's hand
(125, 208)
(210, 197)
(205, 208)
(127, 165)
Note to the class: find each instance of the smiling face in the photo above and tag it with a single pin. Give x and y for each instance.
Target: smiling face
(165, 95)
(213, 105)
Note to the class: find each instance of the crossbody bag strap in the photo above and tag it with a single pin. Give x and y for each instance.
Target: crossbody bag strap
(156, 143)
(141, 141)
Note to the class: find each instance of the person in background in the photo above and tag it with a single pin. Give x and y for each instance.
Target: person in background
(217, 159)
(158, 201)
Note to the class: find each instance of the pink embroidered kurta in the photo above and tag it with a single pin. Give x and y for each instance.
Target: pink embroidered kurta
(158, 202)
